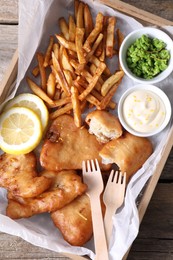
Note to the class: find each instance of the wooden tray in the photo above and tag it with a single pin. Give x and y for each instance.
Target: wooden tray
(145, 17)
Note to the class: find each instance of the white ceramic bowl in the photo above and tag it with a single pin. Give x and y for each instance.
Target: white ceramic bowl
(152, 33)
(157, 92)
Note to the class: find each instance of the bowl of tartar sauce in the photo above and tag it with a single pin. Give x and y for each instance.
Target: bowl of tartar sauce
(144, 110)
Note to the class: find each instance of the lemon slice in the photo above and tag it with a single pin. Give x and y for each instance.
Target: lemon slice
(33, 102)
(20, 130)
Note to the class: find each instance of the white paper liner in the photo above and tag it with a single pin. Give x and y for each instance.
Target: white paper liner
(37, 21)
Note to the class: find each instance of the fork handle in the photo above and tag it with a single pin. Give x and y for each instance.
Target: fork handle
(98, 230)
(108, 223)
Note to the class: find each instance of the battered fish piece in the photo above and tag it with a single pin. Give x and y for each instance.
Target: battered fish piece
(19, 176)
(104, 125)
(67, 146)
(66, 186)
(74, 221)
(129, 152)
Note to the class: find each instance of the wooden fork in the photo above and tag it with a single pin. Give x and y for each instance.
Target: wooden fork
(92, 177)
(113, 198)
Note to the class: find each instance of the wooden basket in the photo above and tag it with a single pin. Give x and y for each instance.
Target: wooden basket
(146, 18)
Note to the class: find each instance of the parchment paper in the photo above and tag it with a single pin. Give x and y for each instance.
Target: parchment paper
(37, 21)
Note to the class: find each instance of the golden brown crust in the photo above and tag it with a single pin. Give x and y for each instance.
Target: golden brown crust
(74, 221)
(129, 152)
(67, 146)
(18, 175)
(104, 125)
(66, 186)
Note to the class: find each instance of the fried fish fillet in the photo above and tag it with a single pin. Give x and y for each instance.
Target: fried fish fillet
(66, 186)
(19, 176)
(75, 221)
(129, 152)
(67, 146)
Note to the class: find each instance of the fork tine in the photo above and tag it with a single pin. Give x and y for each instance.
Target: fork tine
(97, 165)
(124, 178)
(93, 165)
(83, 166)
(111, 176)
(88, 166)
(120, 178)
(116, 177)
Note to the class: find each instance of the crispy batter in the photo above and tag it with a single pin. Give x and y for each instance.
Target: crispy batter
(129, 152)
(67, 146)
(66, 186)
(74, 221)
(19, 176)
(104, 125)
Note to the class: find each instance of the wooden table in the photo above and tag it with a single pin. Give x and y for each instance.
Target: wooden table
(155, 239)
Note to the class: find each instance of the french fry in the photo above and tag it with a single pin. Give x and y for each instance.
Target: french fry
(68, 77)
(76, 5)
(40, 59)
(99, 49)
(35, 71)
(105, 101)
(57, 92)
(97, 95)
(111, 81)
(72, 29)
(64, 28)
(61, 102)
(56, 50)
(67, 44)
(93, 71)
(120, 37)
(90, 98)
(88, 21)
(78, 67)
(79, 43)
(81, 81)
(51, 85)
(61, 111)
(110, 36)
(39, 92)
(94, 47)
(58, 72)
(93, 59)
(94, 33)
(76, 106)
(80, 16)
(104, 31)
(79, 76)
(94, 80)
(65, 61)
(48, 52)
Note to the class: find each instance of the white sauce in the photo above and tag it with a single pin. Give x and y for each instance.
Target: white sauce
(144, 111)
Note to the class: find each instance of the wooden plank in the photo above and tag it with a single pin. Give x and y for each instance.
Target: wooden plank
(156, 175)
(155, 239)
(167, 175)
(160, 8)
(9, 11)
(136, 12)
(160, 203)
(9, 250)
(8, 45)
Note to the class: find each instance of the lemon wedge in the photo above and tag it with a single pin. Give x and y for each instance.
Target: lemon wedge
(32, 102)
(20, 130)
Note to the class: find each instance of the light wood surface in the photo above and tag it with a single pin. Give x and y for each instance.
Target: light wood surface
(155, 239)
